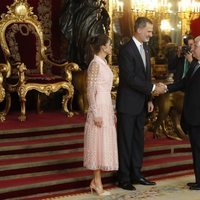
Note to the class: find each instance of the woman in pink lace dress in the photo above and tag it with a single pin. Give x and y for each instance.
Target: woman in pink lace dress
(100, 139)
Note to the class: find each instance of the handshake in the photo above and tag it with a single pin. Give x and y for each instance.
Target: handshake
(160, 88)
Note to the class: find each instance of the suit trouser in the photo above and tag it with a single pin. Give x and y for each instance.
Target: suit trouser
(194, 135)
(130, 132)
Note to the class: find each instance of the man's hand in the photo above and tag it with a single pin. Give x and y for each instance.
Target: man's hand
(160, 88)
(189, 57)
(150, 106)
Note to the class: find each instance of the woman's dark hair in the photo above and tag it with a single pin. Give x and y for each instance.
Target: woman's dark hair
(97, 41)
(166, 38)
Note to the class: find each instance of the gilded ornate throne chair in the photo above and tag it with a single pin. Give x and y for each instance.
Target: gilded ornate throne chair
(24, 50)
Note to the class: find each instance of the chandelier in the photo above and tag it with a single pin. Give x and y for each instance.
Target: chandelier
(159, 10)
(188, 9)
(153, 8)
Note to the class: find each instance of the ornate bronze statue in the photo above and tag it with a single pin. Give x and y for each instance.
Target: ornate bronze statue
(166, 119)
(81, 20)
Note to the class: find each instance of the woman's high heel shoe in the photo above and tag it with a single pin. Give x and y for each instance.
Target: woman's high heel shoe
(99, 190)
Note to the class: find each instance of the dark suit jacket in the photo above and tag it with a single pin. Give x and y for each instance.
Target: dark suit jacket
(178, 64)
(190, 84)
(134, 81)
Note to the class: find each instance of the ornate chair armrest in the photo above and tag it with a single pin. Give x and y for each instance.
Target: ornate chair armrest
(68, 67)
(71, 66)
(21, 72)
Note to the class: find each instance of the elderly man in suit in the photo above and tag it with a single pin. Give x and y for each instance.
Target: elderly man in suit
(132, 103)
(190, 119)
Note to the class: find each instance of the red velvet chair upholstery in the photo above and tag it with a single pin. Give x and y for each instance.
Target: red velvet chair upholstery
(23, 47)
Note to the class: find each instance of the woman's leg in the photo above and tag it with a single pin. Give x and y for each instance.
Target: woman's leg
(96, 184)
(97, 178)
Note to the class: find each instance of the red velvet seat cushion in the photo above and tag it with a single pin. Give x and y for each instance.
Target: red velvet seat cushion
(37, 78)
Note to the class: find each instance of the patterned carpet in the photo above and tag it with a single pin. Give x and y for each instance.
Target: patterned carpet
(167, 189)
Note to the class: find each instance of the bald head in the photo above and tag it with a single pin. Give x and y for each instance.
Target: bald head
(197, 40)
(196, 51)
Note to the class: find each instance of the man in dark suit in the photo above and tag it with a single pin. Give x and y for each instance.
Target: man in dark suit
(190, 119)
(133, 100)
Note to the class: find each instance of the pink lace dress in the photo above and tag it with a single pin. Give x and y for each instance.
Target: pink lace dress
(100, 143)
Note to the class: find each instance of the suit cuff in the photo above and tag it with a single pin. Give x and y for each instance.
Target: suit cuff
(153, 88)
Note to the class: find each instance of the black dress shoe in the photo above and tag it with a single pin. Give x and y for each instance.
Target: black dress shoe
(127, 186)
(191, 184)
(144, 181)
(195, 187)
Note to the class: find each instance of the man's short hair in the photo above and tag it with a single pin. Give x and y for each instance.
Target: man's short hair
(141, 22)
(186, 38)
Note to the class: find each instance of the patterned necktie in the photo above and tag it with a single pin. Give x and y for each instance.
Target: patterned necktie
(142, 53)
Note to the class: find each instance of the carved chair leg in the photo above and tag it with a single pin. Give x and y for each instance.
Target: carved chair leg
(8, 103)
(65, 100)
(2, 117)
(38, 99)
(65, 105)
(7, 107)
(22, 116)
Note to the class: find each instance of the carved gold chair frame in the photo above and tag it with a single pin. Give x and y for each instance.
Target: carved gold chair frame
(3, 69)
(21, 13)
(3, 72)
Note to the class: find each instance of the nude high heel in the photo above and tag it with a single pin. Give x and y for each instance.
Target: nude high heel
(99, 190)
